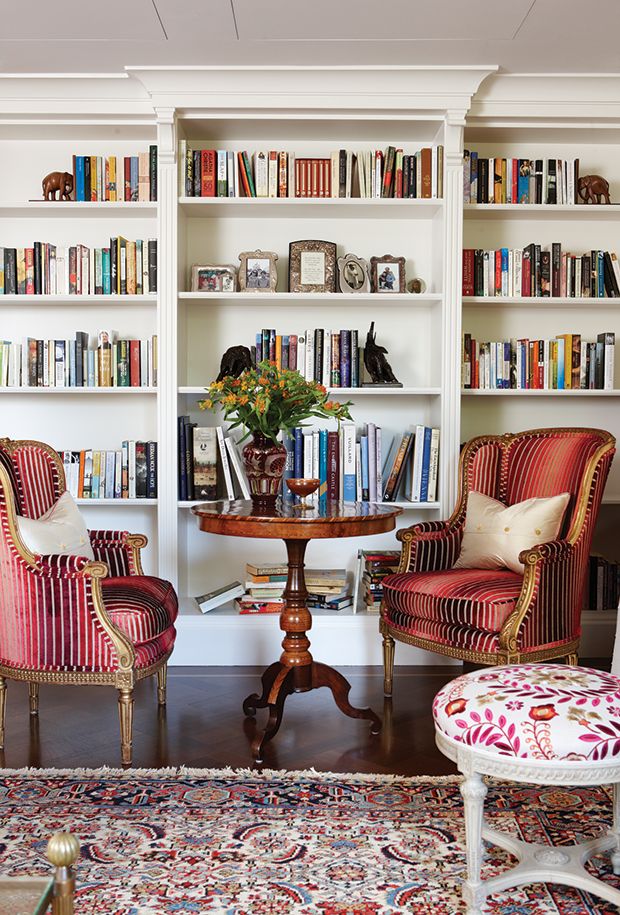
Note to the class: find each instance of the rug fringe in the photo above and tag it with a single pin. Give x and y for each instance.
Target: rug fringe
(180, 772)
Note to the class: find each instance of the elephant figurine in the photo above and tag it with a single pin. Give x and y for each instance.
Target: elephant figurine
(57, 181)
(591, 188)
(235, 361)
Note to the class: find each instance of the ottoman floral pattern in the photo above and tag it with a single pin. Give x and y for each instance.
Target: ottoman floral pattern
(534, 711)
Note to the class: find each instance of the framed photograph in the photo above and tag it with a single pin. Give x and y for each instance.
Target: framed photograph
(312, 266)
(214, 278)
(387, 274)
(353, 274)
(257, 271)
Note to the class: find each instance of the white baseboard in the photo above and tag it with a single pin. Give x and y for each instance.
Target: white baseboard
(230, 640)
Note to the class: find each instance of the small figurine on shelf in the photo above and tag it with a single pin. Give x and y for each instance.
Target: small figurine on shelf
(57, 181)
(234, 362)
(590, 189)
(376, 364)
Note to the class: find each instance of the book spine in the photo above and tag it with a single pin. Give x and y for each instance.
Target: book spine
(333, 466)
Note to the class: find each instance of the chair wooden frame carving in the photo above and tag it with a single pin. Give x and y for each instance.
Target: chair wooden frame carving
(57, 580)
(554, 572)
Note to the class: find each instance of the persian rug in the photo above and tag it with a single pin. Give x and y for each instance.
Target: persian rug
(250, 843)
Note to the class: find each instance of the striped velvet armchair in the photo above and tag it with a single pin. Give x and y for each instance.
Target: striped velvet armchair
(68, 620)
(502, 617)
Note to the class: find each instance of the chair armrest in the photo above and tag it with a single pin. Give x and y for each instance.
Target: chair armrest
(429, 546)
(552, 551)
(56, 566)
(119, 550)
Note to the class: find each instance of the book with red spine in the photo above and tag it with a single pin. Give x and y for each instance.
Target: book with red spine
(498, 272)
(282, 175)
(426, 157)
(134, 363)
(398, 180)
(388, 173)
(468, 271)
(209, 170)
(127, 178)
(29, 258)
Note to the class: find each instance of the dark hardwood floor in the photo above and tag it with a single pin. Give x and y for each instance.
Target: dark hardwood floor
(203, 724)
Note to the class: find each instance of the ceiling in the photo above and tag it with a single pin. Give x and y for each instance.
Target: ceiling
(522, 36)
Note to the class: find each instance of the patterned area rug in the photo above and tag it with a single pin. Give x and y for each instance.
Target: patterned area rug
(246, 843)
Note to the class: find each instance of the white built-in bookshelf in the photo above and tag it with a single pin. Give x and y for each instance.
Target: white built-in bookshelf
(311, 112)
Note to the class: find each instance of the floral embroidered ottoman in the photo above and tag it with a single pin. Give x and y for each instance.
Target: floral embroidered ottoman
(546, 724)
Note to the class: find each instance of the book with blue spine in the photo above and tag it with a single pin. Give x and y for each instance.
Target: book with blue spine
(345, 358)
(323, 466)
(259, 346)
(523, 182)
(79, 178)
(426, 463)
(561, 374)
(299, 453)
(355, 379)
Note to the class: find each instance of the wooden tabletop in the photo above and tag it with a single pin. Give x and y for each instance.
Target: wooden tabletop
(294, 522)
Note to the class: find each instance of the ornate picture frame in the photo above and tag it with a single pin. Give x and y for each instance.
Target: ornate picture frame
(258, 271)
(353, 274)
(312, 266)
(213, 278)
(387, 274)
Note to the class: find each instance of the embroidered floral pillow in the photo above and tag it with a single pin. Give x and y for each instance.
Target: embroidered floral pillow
(495, 533)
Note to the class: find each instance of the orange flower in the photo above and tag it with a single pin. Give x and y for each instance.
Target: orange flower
(205, 404)
(542, 712)
(243, 399)
(263, 380)
(330, 405)
(236, 383)
(321, 388)
(230, 399)
(456, 706)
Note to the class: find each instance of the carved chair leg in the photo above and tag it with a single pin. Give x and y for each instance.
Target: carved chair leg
(162, 682)
(33, 694)
(388, 663)
(572, 659)
(615, 855)
(125, 711)
(474, 792)
(2, 709)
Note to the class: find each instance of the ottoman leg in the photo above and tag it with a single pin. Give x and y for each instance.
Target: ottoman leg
(474, 792)
(615, 855)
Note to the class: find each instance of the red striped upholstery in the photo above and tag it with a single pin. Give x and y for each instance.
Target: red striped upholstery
(432, 602)
(465, 597)
(48, 620)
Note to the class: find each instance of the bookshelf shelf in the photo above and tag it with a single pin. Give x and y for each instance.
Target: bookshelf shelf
(344, 392)
(294, 207)
(118, 503)
(53, 300)
(404, 300)
(539, 302)
(541, 211)
(84, 392)
(505, 392)
(77, 209)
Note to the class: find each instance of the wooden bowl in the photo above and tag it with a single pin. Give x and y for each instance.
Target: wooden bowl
(303, 487)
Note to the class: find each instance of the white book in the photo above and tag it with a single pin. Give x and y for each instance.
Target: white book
(616, 265)
(290, 186)
(132, 470)
(609, 366)
(309, 360)
(102, 475)
(418, 454)
(335, 173)
(301, 354)
(349, 174)
(66, 466)
(378, 465)
(235, 460)
(68, 349)
(110, 466)
(327, 359)
(307, 455)
(358, 472)
(485, 273)
(377, 176)
(261, 179)
(434, 172)
(511, 268)
(361, 172)
(222, 167)
(315, 463)
(570, 181)
(372, 462)
(433, 469)
(222, 595)
(545, 180)
(144, 361)
(273, 173)
(231, 173)
(118, 474)
(341, 465)
(578, 277)
(559, 184)
(23, 380)
(348, 471)
(182, 161)
(583, 378)
(230, 491)
(518, 272)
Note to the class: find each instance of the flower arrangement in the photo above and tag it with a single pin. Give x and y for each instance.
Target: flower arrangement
(267, 400)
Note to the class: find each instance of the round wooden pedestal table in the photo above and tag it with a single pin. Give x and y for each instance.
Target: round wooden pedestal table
(297, 671)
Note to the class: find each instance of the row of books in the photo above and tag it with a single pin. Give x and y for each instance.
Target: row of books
(123, 268)
(107, 362)
(537, 271)
(512, 180)
(333, 358)
(364, 465)
(130, 472)
(566, 362)
(276, 173)
(210, 465)
(97, 178)
(602, 589)
(371, 568)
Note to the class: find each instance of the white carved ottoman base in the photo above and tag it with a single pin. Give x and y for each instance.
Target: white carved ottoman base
(533, 724)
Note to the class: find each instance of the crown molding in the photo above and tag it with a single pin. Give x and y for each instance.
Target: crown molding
(514, 98)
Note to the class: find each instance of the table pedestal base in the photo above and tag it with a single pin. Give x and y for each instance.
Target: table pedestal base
(280, 681)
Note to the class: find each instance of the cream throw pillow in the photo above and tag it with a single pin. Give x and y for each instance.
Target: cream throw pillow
(495, 533)
(60, 531)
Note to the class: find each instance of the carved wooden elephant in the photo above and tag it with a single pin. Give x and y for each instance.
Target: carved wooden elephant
(57, 181)
(592, 187)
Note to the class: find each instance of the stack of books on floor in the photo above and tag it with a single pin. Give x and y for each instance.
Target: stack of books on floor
(372, 567)
(328, 589)
(602, 590)
(367, 465)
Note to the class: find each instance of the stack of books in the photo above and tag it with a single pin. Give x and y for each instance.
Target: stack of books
(128, 473)
(512, 180)
(536, 271)
(602, 591)
(97, 178)
(210, 463)
(123, 267)
(328, 589)
(565, 363)
(366, 465)
(372, 567)
(278, 173)
(107, 362)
